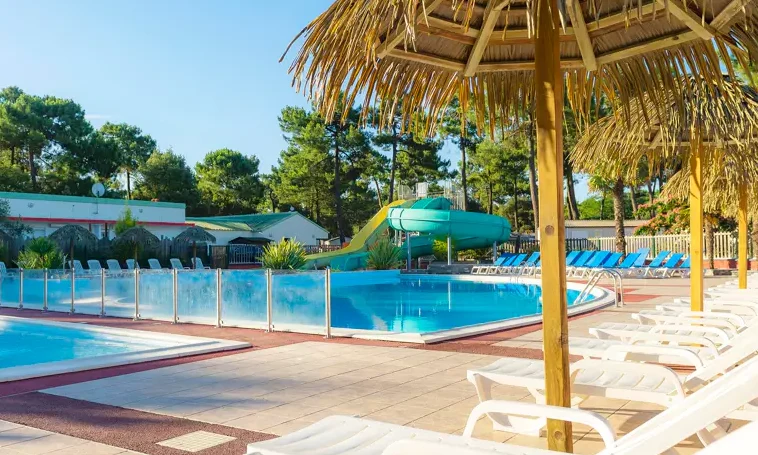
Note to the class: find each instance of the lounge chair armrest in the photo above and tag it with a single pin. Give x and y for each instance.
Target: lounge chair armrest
(619, 352)
(680, 340)
(716, 333)
(520, 408)
(633, 368)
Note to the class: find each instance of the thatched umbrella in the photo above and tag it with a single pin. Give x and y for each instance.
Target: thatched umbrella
(715, 130)
(195, 235)
(505, 58)
(139, 237)
(73, 235)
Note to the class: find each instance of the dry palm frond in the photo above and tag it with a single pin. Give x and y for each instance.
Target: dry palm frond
(391, 51)
(659, 131)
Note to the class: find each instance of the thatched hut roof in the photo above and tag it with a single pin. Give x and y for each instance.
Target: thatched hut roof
(660, 132)
(422, 53)
(140, 236)
(195, 234)
(74, 234)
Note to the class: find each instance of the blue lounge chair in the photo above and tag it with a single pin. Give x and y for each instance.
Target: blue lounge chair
(518, 260)
(581, 260)
(571, 257)
(482, 269)
(640, 262)
(595, 262)
(612, 261)
(530, 261)
(625, 268)
(656, 263)
(683, 270)
(667, 269)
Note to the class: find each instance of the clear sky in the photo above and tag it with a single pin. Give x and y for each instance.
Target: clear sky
(196, 75)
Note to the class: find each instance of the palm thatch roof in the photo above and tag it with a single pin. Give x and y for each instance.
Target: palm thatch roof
(140, 236)
(422, 53)
(195, 235)
(74, 235)
(659, 131)
(720, 189)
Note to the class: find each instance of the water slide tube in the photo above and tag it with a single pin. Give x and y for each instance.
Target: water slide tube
(467, 229)
(353, 256)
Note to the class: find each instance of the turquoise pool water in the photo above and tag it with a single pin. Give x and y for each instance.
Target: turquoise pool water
(30, 343)
(386, 301)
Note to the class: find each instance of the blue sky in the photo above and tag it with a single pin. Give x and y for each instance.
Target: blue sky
(196, 75)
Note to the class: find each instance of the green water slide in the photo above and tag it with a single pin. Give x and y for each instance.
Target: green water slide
(430, 217)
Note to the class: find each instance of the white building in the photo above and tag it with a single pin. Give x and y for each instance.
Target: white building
(45, 213)
(586, 229)
(262, 228)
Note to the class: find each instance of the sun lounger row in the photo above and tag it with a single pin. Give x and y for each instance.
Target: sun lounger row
(721, 386)
(115, 266)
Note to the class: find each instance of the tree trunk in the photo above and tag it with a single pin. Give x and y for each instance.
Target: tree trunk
(602, 206)
(618, 215)
(572, 205)
(378, 192)
(533, 175)
(489, 196)
(754, 237)
(13, 156)
(650, 191)
(338, 188)
(710, 241)
(633, 197)
(318, 207)
(32, 170)
(393, 165)
(128, 185)
(515, 206)
(464, 182)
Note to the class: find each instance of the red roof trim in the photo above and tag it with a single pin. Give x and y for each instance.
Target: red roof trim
(86, 221)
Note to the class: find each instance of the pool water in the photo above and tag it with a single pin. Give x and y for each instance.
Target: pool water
(378, 300)
(30, 343)
(423, 305)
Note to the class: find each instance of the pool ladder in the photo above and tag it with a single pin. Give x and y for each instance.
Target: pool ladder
(595, 276)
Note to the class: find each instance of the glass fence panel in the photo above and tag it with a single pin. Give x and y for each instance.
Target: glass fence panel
(197, 296)
(59, 290)
(243, 295)
(298, 298)
(87, 299)
(156, 294)
(119, 293)
(34, 286)
(9, 288)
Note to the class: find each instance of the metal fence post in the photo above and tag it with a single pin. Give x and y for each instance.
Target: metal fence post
(269, 302)
(218, 298)
(102, 293)
(449, 250)
(175, 296)
(20, 288)
(328, 297)
(136, 294)
(408, 244)
(44, 290)
(494, 251)
(73, 290)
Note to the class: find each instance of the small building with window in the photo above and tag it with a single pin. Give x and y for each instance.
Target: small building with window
(262, 228)
(45, 213)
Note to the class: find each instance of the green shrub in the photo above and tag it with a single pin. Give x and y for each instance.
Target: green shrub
(284, 255)
(41, 253)
(125, 222)
(384, 255)
(439, 250)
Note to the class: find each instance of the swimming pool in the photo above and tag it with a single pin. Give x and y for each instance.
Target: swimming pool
(373, 304)
(30, 348)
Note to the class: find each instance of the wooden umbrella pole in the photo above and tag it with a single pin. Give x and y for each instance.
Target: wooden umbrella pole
(742, 234)
(696, 220)
(549, 116)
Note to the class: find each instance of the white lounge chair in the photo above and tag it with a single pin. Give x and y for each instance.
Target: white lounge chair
(131, 264)
(199, 264)
(339, 435)
(613, 379)
(113, 265)
(681, 350)
(628, 332)
(94, 265)
(177, 264)
(154, 264)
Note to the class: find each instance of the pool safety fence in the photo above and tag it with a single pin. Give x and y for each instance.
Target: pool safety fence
(273, 300)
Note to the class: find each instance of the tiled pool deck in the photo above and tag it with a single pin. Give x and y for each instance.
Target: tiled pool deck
(290, 381)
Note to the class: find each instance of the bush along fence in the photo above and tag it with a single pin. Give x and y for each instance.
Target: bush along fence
(724, 245)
